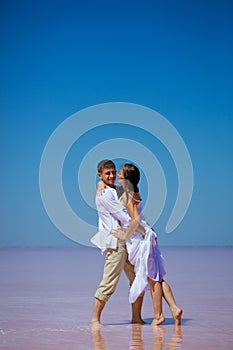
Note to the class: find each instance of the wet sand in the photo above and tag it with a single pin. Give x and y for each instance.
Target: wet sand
(46, 299)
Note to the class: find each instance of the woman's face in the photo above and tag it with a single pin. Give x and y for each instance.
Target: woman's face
(121, 177)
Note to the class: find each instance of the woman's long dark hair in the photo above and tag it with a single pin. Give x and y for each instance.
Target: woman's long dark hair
(132, 174)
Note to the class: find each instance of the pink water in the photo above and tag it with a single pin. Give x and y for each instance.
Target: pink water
(46, 299)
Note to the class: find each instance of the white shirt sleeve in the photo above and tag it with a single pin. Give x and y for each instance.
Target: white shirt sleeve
(110, 211)
(109, 203)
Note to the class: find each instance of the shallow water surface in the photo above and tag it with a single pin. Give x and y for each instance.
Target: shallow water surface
(46, 299)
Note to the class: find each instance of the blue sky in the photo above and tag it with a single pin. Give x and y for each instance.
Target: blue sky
(58, 57)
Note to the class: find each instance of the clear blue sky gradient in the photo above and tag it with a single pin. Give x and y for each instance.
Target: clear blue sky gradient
(58, 57)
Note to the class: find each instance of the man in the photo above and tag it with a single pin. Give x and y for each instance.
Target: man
(111, 212)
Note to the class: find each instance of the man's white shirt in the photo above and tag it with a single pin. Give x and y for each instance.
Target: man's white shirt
(111, 212)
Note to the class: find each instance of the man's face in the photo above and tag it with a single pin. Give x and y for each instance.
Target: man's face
(108, 175)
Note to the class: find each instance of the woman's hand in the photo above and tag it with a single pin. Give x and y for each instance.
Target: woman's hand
(118, 233)
(100, 188)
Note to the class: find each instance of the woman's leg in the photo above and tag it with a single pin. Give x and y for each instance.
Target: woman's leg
(156, 295)
(168, 296)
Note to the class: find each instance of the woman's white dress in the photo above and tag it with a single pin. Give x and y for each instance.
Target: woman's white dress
(145, 255)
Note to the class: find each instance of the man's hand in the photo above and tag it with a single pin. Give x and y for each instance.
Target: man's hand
(141, 230)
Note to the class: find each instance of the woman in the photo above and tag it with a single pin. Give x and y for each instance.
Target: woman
(144, 253)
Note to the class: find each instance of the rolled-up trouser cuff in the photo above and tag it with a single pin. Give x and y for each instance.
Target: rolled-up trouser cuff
(101, 296)
(115, 261)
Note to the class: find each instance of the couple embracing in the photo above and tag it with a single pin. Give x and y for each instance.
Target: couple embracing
(130, 244)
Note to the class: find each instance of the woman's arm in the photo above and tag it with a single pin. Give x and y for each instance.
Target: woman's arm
(134, 225)
(132, 209)
(100, 188)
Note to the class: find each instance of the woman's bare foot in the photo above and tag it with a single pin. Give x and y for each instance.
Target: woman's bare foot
(158, 321)
(177, 314)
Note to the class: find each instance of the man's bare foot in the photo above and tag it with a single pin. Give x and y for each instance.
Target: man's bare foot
(95, 325)
(158, 321)
(137, 321)
(177, 314)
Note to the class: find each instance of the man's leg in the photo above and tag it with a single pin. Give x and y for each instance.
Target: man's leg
(97, 310)
(137, 305)
(137, 310)
(115, 260)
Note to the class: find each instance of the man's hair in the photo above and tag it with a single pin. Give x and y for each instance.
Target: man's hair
(106, 163)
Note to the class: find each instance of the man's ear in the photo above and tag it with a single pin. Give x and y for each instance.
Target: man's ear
(100, 175)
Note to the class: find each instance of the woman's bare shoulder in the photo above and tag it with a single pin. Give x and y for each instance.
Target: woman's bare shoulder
(134, 198)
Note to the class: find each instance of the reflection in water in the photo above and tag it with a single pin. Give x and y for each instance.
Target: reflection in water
(171, 344)
(98, 340)
(158, 337)
(176, 339)
(137, 343)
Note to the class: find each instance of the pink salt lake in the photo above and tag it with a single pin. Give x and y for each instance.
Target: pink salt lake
(46, 299)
